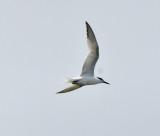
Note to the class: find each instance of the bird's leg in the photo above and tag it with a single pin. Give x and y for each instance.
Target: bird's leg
(75, 82)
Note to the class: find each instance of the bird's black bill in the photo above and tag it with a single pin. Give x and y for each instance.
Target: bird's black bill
(106, 82)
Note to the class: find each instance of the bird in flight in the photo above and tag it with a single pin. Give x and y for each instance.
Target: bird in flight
(87, 75)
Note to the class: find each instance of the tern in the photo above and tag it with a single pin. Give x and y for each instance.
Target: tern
(87, 75)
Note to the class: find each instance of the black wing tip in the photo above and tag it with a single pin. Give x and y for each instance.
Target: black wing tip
(87, 28)
(86, 23)
(60, 92)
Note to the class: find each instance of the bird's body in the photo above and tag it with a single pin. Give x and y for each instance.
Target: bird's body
(84, 80)
(87, 75)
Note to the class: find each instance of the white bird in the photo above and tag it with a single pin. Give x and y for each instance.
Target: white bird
(87, 75)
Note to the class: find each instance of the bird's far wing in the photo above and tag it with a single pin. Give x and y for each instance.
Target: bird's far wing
(92, 55)
(71, 88)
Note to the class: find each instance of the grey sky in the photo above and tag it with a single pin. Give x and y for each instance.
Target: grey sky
(43, 42)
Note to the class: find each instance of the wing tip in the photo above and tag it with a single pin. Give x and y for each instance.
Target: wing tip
(58, 92)
(86, 23)
(69, 89)
(87, 28)
(63, 91)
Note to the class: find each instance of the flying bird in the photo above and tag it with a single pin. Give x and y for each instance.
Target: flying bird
(87, 75)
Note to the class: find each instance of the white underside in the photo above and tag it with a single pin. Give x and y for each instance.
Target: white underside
(84, 80)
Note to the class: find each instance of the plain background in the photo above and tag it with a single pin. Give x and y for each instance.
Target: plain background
(43, 42)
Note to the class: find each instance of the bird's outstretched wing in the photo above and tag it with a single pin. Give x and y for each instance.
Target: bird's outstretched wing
(71, 88)
(93, 53)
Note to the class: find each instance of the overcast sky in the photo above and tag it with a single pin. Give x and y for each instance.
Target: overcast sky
(43, 42)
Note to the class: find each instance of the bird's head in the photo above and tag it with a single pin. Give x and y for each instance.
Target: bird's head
(102, 81)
